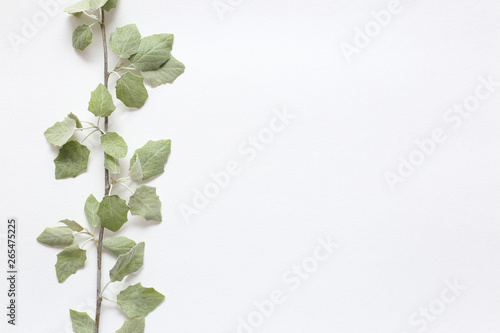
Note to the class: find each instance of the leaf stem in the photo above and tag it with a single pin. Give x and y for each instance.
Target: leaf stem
(89, 135)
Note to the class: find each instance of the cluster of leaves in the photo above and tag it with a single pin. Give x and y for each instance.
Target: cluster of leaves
(141, 59)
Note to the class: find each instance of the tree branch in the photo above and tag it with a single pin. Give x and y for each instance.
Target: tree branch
(106, 182)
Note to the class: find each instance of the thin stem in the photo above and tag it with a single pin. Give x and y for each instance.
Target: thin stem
(106, 182)
(91, 16)
(88, 240)
(128, 188)
(108, 299)
(89, 135)
(105, 287)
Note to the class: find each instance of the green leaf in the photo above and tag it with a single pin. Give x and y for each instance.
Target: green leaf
(61, 132)
(56, 236)
(82, 37)
(153, 156)
(91, 208)
(136, 170)
(78, 7)
(153, 51)
(82, 323)
(131, 91)
(72, 159)
(144, 202)
(136, 325)
(72, 225)
(167, 73)
(101, 102)
(128, 263)
(138, 301)
(96, 4)
(125, 41)
(110, 5)
(118, 245)
(69, 261)
(111, 164)
(75, 118)
(114, 145)
(113, 212)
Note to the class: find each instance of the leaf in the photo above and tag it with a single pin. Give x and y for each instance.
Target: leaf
(128, 263)
(56, 236)
(96, 4)
(113, 212)
(138, 301)
(82, 323)
(82, 37)
(131, 91)
(110, 5)
(144, 202)
(153, 156)
(91, 208)
(72, 159)
(61, 132)
(136, 325)
(75, 118)
(167, 73)
(78, 7)
(72, 225)
(69, 261)
(118, 245)
(136, 170)
(111, 164)
(101, 102)
(153, 51)
(125, 41)
(114, 145)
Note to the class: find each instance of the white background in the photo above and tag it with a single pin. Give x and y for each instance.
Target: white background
(321, 176)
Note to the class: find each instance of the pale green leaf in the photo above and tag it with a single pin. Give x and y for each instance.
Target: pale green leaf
(144, 202)
(81, 322)
(61, 132)
(82, 37)
(128, 263)
(56, 236)
(69, 261)
(167, 73)
(101, 102)
(153, 156)
(111, 164)
(73, 225)
(72, 159)
(96, 4)
(75, 118)
(153, 52)
(110, 5)
(136, 325)
(118, 245)
(131, 91)
(138, 301)
(91, 208)
(125, 41)
(114, 145)
(78, 7)
(113, 212)
(136, 171)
